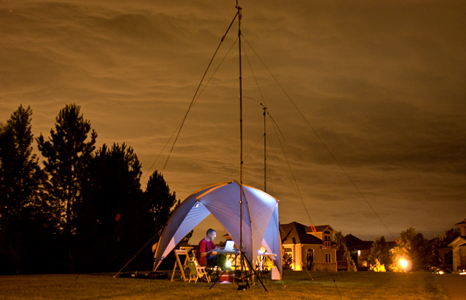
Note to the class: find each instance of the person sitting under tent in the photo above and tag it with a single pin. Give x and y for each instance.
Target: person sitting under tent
(206, 253)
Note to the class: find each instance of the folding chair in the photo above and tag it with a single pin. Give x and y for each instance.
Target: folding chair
(178, 264)
(196, 271)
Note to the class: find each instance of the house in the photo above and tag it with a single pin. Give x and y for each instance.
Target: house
(360, 251)
(459, 249)
(445, 256)
(310, 247)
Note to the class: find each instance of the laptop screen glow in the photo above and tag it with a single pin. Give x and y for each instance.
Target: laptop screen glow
(229, 245)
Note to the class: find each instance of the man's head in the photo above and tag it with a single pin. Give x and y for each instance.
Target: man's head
(211, 234)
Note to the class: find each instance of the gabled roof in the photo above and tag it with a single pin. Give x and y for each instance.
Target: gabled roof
(461, 223)
(459, 241)
(319, 228)
(295, 233)
(353, 242)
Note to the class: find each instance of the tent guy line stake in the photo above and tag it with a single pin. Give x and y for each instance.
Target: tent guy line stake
(114, 276)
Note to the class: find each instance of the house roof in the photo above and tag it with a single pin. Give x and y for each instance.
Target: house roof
(319, 228)
(461, 223)
(295, 233)
(459, 241)
(353, 242)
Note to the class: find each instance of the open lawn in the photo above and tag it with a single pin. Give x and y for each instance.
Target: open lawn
(296, 285)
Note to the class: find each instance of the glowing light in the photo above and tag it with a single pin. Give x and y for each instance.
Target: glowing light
(228, 264)
(403, 263)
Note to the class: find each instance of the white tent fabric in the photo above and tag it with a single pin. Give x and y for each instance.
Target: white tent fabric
(222, 200)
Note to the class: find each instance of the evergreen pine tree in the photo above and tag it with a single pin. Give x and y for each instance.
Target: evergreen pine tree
(67, 154)
(19, 181)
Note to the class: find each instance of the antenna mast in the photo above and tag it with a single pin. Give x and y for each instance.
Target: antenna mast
(241, 130)
(241, 152)
(265, 150)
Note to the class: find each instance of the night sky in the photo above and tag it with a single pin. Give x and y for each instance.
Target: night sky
(366, 99)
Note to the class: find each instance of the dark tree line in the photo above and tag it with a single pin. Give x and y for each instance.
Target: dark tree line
(84, 210)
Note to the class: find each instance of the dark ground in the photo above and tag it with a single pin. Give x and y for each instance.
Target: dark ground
(454, 285)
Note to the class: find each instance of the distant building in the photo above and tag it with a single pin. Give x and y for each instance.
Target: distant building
(459, 248)
(444, 254)
(360, 251)
(311, 247)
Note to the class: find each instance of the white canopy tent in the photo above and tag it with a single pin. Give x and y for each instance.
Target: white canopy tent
(260, 219)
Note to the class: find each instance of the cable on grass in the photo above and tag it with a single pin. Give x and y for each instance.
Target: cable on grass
(336, 287)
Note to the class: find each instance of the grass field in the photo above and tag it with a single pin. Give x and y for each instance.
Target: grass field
(296, 285)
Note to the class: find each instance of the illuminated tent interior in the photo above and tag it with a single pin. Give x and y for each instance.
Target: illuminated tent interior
(260, 219)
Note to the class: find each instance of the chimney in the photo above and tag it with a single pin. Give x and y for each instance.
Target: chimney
(462, 226)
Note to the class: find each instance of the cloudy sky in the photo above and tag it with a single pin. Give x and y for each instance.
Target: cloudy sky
(366, 99)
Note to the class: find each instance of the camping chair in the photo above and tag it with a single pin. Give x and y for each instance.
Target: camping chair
(196, 271)
(178, 264)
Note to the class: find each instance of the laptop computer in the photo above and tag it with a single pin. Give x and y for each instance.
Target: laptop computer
(229, 245)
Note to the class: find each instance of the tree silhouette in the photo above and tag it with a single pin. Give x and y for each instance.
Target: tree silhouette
(162, 201)
(19, 180)
(67, 154)
(380, 254)
(413, 246)
(343, 251)
(115, 216)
